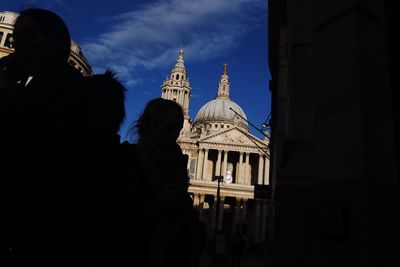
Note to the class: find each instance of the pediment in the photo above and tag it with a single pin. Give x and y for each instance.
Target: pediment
(233, 136)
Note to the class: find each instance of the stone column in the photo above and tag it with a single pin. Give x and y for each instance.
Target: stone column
(260, 169)
(188, 162)
(201, 207)
(239, 171)
(266, 170)
(218, 166)
(225, 165)
(205, 166)
(247, 179)
(244, 212)
(199, 172)
(236, 218)
(196, 200)
(185, 105)
(181, 97)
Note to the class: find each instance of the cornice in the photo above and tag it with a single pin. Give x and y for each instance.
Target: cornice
(232, 190)
(229, 146)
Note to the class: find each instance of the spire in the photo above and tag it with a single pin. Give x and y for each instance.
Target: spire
(223, 86)
(176, 87)
(179, 65)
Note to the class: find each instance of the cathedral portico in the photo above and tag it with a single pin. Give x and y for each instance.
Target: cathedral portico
(218, 143)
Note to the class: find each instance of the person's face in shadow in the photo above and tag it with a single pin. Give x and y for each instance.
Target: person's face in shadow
(165, 133)
(30, 43)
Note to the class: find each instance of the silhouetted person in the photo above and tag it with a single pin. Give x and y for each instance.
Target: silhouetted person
(105, 105)
(167, 214)
(87, 220)
(41, 124)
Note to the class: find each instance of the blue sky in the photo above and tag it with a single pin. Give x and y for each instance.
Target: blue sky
(141, 39)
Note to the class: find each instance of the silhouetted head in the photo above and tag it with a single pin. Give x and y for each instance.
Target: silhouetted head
(106, 103)
(41, 40)
(161, 122)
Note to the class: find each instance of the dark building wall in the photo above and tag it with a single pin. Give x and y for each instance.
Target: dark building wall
(334, 154)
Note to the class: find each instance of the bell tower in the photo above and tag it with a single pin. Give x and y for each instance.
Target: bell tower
(176, 87)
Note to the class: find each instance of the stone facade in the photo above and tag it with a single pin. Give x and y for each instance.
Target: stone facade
(335, 133)
(218, 143)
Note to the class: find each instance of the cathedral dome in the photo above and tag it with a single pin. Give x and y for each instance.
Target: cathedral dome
(219, 110)
(222, 109)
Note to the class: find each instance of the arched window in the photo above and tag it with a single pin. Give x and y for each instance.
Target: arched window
(8, 41)
(177, 76)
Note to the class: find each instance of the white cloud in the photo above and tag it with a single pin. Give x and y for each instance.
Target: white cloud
(151, 36)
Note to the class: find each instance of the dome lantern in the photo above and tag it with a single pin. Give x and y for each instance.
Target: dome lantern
(218, 111)
(223, 86)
